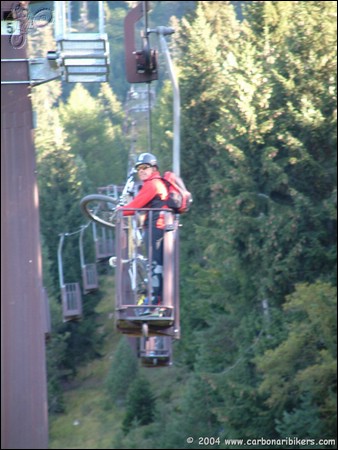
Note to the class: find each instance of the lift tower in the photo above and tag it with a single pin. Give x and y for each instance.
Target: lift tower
(80, 58)
(24, 422)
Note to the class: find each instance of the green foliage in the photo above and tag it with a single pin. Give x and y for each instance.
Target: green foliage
(258, 250)
(257, 162)
(56, 350)
(122, 372)
(140, 405)
(115, 13)
(95, 135)
(62, 182)
(61, 187)
(195, 416)
(84, 341)
(303, 422)
(305, 362)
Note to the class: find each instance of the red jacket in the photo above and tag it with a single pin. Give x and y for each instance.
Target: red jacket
(152, 194)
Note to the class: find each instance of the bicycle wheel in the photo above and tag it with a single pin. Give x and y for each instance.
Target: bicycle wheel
(100, 209)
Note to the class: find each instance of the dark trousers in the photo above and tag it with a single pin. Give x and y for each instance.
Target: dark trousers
(156, 259)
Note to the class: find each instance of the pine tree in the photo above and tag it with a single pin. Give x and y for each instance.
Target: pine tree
(94, 130)
(196, 416)
(140, 405)
(303, 422)
(63, 181)
(122, 372)
(266, 207)
(304, 363)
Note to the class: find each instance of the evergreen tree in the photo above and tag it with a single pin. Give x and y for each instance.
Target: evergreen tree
(265, 215)
(140, 405)
(303, 422)
(94, 129)
(258, 153)
(61, 188)
(304, 364)
(194, 416)
(62, 183)
(56, 354)
(122, 372)
(115, 12)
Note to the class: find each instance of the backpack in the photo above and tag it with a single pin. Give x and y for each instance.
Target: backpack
(180, 198)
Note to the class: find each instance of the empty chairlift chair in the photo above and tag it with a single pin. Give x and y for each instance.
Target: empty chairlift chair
(71, 301)
(89, 272)
(112, 190)
(70, 292)
(83, 56)
(47, 318)
(104, 242)
(156, 351)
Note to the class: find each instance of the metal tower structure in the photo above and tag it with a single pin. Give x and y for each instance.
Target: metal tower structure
(79, 57)
(24, 420)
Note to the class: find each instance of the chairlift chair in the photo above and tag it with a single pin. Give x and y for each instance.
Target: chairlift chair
(70, 292)
(131, 288)
(84, 56)
(132, 318)
(89, 271)
(71, 301)
(47, 317)
(104, 242)
(156, 351)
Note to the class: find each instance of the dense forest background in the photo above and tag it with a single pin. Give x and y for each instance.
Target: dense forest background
(257, 357)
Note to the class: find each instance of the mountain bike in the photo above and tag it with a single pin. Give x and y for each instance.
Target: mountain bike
(102, 210)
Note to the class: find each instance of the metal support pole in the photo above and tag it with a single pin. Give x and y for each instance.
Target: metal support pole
(149, 120)
(82, 260)
(94, 231)
(62, 237)
(163, 31)
(69, 15)
(60, 19)
(101, 17)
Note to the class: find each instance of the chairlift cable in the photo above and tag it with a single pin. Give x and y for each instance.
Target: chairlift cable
(147, 51)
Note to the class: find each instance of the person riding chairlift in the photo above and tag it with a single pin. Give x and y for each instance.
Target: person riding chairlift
(153, 194)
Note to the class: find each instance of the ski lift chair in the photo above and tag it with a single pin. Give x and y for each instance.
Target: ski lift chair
(70, 292)
(156, 351)
(89, 271)
(162, 320)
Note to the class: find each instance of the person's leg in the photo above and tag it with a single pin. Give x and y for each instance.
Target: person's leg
(157, 266)
(156, 263)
